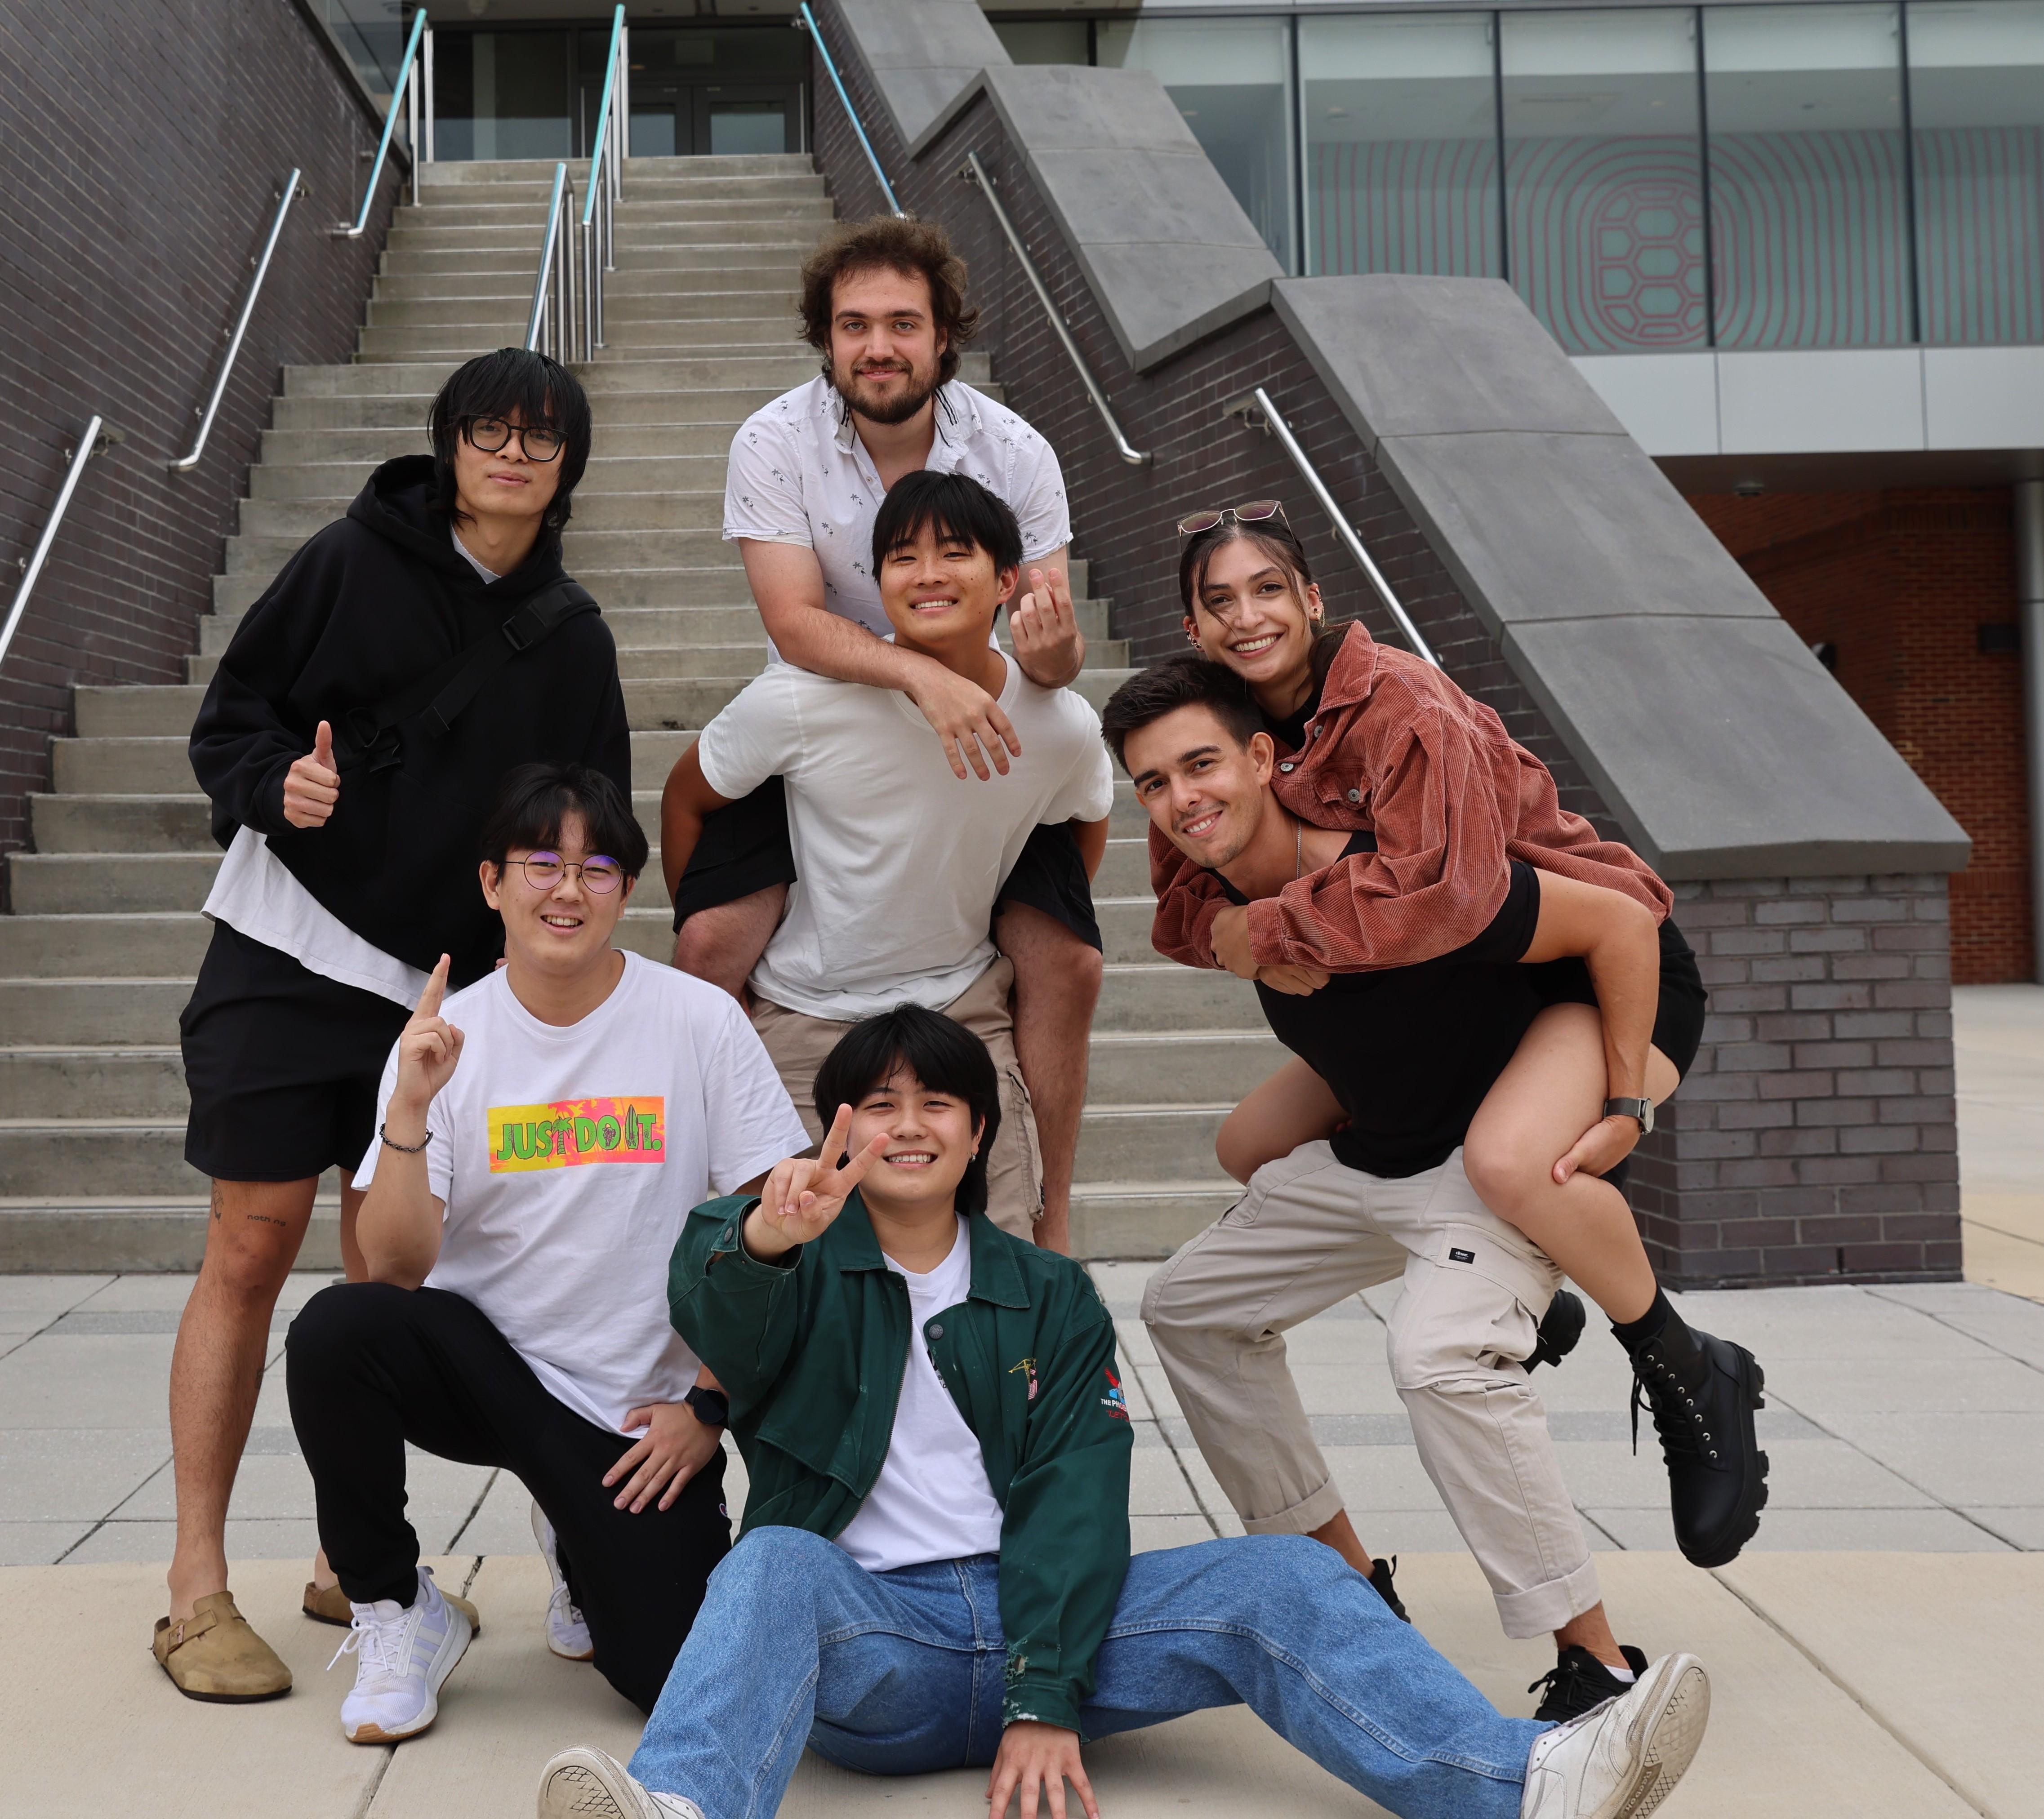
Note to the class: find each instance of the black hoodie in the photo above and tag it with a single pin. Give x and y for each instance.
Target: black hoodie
(358, 618)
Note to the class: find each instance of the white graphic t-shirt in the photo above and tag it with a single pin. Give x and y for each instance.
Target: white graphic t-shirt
(569, 1159)
(932, 1500)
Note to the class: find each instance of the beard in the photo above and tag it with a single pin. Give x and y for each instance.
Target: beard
(859, 393)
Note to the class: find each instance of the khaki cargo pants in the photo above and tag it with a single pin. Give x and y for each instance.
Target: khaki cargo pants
(797, 1044)
(1308, 1232)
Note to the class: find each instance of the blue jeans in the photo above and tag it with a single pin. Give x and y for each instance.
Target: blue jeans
(901, 1673)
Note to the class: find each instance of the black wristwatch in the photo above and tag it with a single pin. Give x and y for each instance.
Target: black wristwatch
(1640, 1110)
(711, 1407)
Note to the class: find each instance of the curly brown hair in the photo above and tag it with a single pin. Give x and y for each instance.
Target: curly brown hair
(887, 243)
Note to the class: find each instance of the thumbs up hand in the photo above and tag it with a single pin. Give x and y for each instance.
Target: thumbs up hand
(312, 786)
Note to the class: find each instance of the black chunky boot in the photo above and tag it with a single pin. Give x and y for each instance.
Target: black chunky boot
(1560, 1326)
(1380, 1579)
(1579, 1682)
(1702, 1392)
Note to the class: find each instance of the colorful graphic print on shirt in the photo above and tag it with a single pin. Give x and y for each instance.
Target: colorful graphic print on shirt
(574, 1133)
(1115, 1401)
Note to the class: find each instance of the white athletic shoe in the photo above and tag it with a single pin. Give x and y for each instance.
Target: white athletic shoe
(568, 1635)
(587, 1784)
(1623, 1759)
(403, 1658)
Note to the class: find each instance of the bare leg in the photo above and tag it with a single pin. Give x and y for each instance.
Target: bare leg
(252, 1242)
(1592, 1631)
(1294, 1106)
(1057, 984)
(356, 1271)
(724, 944)
(1550, 1092)
(1339, 1533)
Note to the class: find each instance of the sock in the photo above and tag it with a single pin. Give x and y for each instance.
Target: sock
(1624, 1675)
(1635, 1334)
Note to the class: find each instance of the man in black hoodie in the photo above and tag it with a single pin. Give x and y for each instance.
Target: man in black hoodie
(352, 742)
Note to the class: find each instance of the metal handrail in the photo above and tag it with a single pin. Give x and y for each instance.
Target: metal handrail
(550, 328)
(972, 172)
(96, 440)
(596, 234)
(292, 192)
(1258, 403)
(407, 71)
(807, 21)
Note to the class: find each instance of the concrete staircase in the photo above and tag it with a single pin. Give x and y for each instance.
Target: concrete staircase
(98, 957)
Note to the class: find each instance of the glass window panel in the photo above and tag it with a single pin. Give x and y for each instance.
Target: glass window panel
(1808, 205)
(1045, 41)
(1604, 177)
(1401, 144)
(1977, 106)
(502, 94)
(1232, 80)
(738, 128)
(373, 33)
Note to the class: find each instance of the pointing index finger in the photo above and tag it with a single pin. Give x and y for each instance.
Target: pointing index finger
(429, 1000)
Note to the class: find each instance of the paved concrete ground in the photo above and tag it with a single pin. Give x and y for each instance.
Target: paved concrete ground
(1874, 1649)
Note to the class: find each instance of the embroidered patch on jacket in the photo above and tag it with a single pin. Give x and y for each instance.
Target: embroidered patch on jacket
(1462, 1256)
(1027, 1367)
(573, 1133)
(1115, 1401)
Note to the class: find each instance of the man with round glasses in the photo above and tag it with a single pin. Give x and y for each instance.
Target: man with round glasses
(540, 1137)
(352, 741)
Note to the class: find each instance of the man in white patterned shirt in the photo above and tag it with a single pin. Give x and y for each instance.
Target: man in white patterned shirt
(883, 301)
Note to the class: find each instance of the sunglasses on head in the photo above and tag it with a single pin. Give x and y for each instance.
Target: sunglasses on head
(1256, 512)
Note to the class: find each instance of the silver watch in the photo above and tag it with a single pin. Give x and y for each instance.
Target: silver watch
(1641, 1110)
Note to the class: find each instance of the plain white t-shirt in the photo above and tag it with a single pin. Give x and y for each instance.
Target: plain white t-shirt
(569, 1158)
(932, 1500)
(799, 474)
(255, 894)
(896, 861)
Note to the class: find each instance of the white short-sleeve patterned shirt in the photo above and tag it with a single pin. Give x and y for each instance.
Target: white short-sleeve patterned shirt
(799, 474)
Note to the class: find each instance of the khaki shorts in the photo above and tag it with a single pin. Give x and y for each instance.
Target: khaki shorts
(1015, 1171)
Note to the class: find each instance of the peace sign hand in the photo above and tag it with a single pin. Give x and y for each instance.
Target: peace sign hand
(428, 1049)
(804, 1196)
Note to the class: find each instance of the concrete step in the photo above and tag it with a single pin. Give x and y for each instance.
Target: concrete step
(1125, 871)
(409, 379)
(638, 627)
(55, 1083)
(161, 946)
(639, 324)
(149, 765)
(1139, 1221)
(58, 1010)
(1148, 1142)
(643, 215)
(121, 824)
(122, 1157)
(746, 271)
(1161, 995)
(614, 370)
(103, 883)
(642, 303)
(1191, 1064)
(634, 663)
(641, 244)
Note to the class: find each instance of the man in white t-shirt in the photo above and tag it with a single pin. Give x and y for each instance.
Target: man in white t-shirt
(898, 870)
(541, 1137)
(884, 302)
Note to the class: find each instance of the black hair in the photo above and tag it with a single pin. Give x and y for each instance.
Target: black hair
(1187, 680)
(953, 505)
(535, 799)
(511, 383)
(946, 1056)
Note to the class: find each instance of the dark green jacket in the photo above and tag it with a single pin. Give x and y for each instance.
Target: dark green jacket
(811, 1352)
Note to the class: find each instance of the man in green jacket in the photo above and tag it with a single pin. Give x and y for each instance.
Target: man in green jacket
(935, 1567)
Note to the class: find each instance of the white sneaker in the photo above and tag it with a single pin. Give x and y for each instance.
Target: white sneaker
(568, 1635)
(587, 1784)
(403, 1658)
(1623, 1759)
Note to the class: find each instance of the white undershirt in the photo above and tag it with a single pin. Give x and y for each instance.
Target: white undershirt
(932, 1500)
(256, 895)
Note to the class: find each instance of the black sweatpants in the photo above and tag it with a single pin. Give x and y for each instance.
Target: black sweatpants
(370, 1366)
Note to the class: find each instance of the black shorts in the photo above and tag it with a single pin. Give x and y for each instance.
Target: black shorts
(283, 1064)
(745, 848)
(1678, 1021)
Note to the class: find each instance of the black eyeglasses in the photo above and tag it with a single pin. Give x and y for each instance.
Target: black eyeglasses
(1256, 512)
(493, 434)
(599, 874)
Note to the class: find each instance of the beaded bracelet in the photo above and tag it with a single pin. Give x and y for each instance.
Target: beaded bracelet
(403, 1149)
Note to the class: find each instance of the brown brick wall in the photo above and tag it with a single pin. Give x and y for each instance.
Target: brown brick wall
(142, 144)
(1770, 1168)
(1900, 582)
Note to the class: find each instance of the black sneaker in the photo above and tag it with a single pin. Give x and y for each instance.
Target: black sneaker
(1560, 1326)
(1702, 1391)
(1579, 1682)
(1380, 1579)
